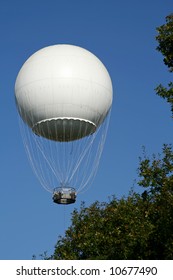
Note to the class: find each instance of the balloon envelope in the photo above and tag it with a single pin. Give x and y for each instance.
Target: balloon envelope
(63, 92)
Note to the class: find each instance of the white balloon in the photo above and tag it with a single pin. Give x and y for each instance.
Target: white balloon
(64, 96)
(64, 87)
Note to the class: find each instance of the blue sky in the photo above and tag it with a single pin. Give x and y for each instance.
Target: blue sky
(122, 34)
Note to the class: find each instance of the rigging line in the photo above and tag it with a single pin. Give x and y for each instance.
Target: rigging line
(42, 181)
(87, 150)
(87, 165)
(81, 158)
(90, 178)
(41, 168)
(56, 151)
(67, 158)
(77, 147)
(72, 151)
(32, 151)
(88, 171)
(47, 176)
(44, 156)
(88, 145)
(26, 137)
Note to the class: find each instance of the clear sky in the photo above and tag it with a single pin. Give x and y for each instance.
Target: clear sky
(122, 34)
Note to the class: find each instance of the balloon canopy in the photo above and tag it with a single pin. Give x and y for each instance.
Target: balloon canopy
(64, 87)
(64, 95)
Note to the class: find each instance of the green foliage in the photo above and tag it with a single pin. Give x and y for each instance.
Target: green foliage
(165, 40)
(158, 172)
(115, 230)
(157, 176)
(137, 227)
(166, 93)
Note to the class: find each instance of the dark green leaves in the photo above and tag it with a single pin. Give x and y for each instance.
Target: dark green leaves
(165, 40)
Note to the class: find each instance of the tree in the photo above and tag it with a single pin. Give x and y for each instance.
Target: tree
(136, 227)
(157, 177)
(115, 230)
(165, 40)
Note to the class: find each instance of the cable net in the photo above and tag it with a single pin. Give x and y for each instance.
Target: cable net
(65, 163)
